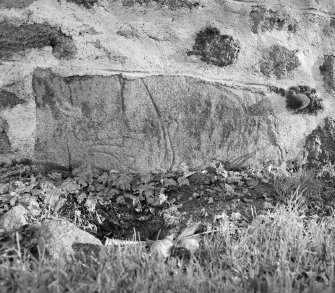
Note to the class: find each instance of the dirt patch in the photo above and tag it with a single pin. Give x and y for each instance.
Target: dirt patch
(17, 39)
(116, 205)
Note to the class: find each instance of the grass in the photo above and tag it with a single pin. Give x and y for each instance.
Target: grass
(305, 180)
(281, 251)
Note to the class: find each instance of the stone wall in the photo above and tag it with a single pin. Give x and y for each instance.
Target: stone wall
(149, 85)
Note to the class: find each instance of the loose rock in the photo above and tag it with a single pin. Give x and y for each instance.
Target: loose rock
(14, 219)
(57, 237)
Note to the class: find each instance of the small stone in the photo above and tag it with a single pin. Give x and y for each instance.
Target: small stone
(229, 188)
(210, 200)
(236, 216)
(31, 205)
(211, 170)
(14, 219)
(4, 188)
(267, 205)
(59, 236)
(252, 183)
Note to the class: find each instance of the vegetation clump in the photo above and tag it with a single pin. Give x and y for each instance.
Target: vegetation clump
(214, 48)
(17, 39)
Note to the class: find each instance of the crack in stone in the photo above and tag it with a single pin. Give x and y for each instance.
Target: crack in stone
(164, 131)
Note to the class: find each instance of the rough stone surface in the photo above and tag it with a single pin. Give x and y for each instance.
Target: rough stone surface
(279, 61)
(15, 39)
(154, 84)
(214, 48)
(327, 70)
(320, 144)
(14, 219)
(95, 119)
(59, 237)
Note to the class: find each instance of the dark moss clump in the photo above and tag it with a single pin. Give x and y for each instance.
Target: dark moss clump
(327, 70)
(279, 61)
(8, 99)
(15, 39)
(214, 48)
(304, 100)
(86, 3)
(267, 20)
(8, 4)
(278, 90)
(171, 4)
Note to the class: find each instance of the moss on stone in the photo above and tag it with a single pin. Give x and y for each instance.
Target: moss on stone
(268, 20)
(214, 48)
(15, 39)
(171, 4)
(279, 61)
(9, 100)
(5, 145)
(304, 100)
(86, 3)
(8, 4)
(327, 70)
(320, 144)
